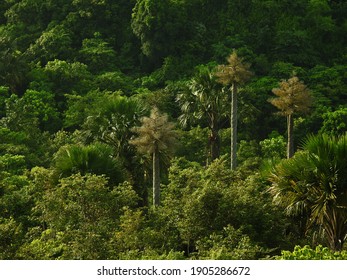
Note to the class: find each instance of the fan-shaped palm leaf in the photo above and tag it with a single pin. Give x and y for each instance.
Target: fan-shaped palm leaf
(95, 159)
(315, 180)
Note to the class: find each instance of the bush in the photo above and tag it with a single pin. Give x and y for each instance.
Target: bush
(307, 253)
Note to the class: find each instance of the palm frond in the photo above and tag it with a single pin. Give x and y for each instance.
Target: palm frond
(316, 178)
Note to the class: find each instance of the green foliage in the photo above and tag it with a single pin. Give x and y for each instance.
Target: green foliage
(129, 236)
(96, 67)
(15, 200)
(22, 124)
(67, 77)
(204, 201)
(307, 253)
(44, 108)
(328, 84)
(110, 119)
(19, 115)
(254, 108)
(11, 234)
(193, 144)
(13, 65)
(114, 81)
(97, 54)
(14, 164)
(81, 201)
(80, 107)
(247, 151)
(204, 102)
(283, 70)
(54, 43)
(335, 123)
(158, 25)
(12, 142)
(231, 244)
(148, 254)
(273, 150)
(273, 147)
(146, 236)
(50, 245)
(172, 69)
(81, 213)
(4, 94)
(312, 185)
(15, 204)
(95, 158)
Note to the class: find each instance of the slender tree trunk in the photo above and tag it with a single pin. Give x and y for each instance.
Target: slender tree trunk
(290, 142)
(156, 177)
(233, 126)
(214, 142)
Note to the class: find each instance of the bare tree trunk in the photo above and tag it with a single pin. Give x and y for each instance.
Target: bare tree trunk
(290, 142)
(156, 177)
(233, 126)
(214, 142)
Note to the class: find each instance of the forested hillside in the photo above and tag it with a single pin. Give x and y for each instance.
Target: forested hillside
(173, 129)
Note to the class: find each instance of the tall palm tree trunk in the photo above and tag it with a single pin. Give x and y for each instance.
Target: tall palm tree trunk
(290, 142)
(156, 177)
(233, 126)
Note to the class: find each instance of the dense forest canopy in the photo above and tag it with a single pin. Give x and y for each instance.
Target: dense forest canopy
(87, 84)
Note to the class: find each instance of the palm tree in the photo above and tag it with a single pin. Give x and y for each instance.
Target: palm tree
(205, 99)
(96, 159)
(235, 73)
(111, 123)
(314, 181)
(156, 135)
(292, 97)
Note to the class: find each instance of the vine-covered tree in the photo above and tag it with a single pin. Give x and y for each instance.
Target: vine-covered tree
(156, 135)
(235, 73)
(292, 97)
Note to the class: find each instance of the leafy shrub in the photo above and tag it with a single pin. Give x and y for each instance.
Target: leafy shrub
(307, 253)
(230, 244)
